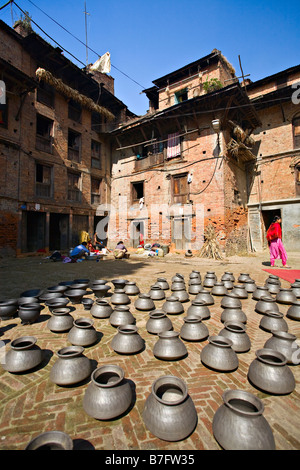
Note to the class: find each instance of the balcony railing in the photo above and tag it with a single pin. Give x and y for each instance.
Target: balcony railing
(43, 143)
(147, 162)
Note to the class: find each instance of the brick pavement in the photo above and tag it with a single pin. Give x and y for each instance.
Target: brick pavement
(30, 404)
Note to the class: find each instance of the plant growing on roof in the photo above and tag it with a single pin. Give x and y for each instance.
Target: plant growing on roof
(212, 85)
(25, 21)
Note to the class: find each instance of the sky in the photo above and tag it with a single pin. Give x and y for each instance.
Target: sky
(149, 39)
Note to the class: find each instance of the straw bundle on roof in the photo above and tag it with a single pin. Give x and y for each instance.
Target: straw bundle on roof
(210, 248)
(69, 92)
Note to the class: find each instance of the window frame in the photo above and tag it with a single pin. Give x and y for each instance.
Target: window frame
(44, 143)
(42, 184)
(179, 198)
(71, 187)
(133, 192)
(72, 150)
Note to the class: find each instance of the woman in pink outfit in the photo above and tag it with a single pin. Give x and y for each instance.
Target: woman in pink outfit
(274, 237)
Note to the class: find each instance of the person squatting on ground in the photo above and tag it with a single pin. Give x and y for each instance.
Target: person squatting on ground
(274, 237)
(120, 251)
(79, 251)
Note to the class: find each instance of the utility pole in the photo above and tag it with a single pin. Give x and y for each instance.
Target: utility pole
(86, 41)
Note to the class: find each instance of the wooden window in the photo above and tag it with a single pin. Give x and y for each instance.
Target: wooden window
(296, 132)
(96, 154)
(137, 191)
(95, 191)
(74, 146)
(297, 179)
(180, 189)
(96, 122)
(74, 187)
(43, 180)
(181, 95)
(45, 94)
(44, 127)
(74, 111)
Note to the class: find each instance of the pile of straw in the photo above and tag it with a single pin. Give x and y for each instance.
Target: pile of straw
(210, 248)
(69, 92)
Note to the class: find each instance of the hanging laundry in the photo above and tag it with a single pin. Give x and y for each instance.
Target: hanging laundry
(173, 149)
(103, 64)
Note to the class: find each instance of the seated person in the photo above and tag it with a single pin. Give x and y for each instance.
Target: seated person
(79, 251)
(120, 250)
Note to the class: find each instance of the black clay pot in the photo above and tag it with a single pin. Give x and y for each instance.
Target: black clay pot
(273, 287)
(51, 440)
(101, 309)
(243, 277)
(269, 372)
(144, 303)
(29, 313)
(261, 291)
(169, 411)
(228, 276)
(293, 311)
(57, 302)
(32, 293)
(162, 283)
(233, 314)
(169, 346)
(181, 295)
(87, 303)
(119, 283)
(286, 296)
(119, 297)
(236, 332)
(209, 281)
(240, 291)
(250, 286)
(219, 355)
(131, 288)
(121, 315)
(109, 394)
(285, 343)
(206, 297)
(156, 293)
(265, 304)
(58, 288)
(82, 333)
(239, 424)
(199, 309)
(61, 320)
(71, 367)
(158, 321)
(50, 295)
(231, 301)
(195, 287)
(193, 329)
(172, 306)
(127, 340)
(177, 278)
(219, 289)
(296, 289)
(75, 295)
(78, 286)
(8, 309)
(100, 290)
(177, 285)
(24, 355)
(273, 321)
(195, 275)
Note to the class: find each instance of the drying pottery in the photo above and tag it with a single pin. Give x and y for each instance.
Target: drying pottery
(233, 314)
(8, 308)
(65, 283)
(273, 287)
(109, 394)
(172, 306)
(121, 315)
(273, 321)
(78, 286)
(239, 424)
(178, 277)
(193, 329)
(240, 291)
(81, 281)
(127, 340)
(82, 333)
(293, 311)
(156, 293)
(195, 287)
(200, 309)
(209, 281)
(29, 300)
(177, 285)
(29, 313)
(100, 290)
(206, 297)
(61, 320)
(158, 321)
(51, 440)
(210, 274)
(49, 295)
(243, 277)
(269, 372)
(75, 295)
(144, 302)
(169, 346)
(273, 279)
(162, 283)
(24, 355)
(219, 355)
(250, 286)
(236, 332)
(131, 288)
(119, 297)
(71, 366)
(32, 293)
(119, 283)
(58, 288)
(265, 304)
(286, 296)
(195, 275)
(57, 302)
(285, 343)
(296, 289)
(231, 301)
(87, 303)
(181, 295)
(101, 309)
(261, 291)
(219, 289)
(228, 276)
(169, 411)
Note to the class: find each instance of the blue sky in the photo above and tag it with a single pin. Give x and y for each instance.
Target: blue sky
(148, 39)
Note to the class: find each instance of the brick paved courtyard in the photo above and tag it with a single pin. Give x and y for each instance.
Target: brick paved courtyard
(31, 404)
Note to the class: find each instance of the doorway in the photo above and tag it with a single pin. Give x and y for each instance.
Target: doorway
(137, 233)
(182, 233)
(58, 231)
(36, 228)
(267, 219)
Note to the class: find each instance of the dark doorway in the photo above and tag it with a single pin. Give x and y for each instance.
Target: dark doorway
(267, 217)
(59, 232)
(137, 233)
(36, 227)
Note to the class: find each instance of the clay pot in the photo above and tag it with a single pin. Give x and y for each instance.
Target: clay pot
(121, 315)
(177, 285)
(119, 297)
(100, 290)
(195, 287)
(169, 346)
(193, 329)
(181, 295)
(30, 300)
(169, 411)
(49, 295)
(87, 303)
(209, 281)
(228, 284)
(29, 313)
(61, 320)
(273, 279)
(293, 311)
(101, 309)
(156, 293)
(32, 293)
(199, 309)
(243, 277)
(172, 306)
(269, 372)
(119, 283)
(71, 367)
(144, 303)
(265, 304)
(178, 277)
(261, 291)
(98, 282)
(211, 274)
(219, 355)
(286, 296)
(65, 283)
(236, 332)
(24, 355)
(250, 286)
(239, 424)
(131, 288)
(58, 288)
(285, 343)
(195, 275)
(109, 394)
(228, 276)
(219, 289)
(82, 333)
(157, 322)
(233, 314)
(273, 287)
(75, 295)
(240, 291)
(51, 440)
(231, 301)
(162, 283)
(8, 308)
(127, 340)
(57, 302)
(273, 321)
(78, 285)
(81, 281)
(296, 289)
(206, 297)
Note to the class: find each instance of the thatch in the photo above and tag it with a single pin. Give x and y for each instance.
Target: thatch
(210, 248)
(73, 94)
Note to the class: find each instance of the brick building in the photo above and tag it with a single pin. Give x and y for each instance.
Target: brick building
(54, 146)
